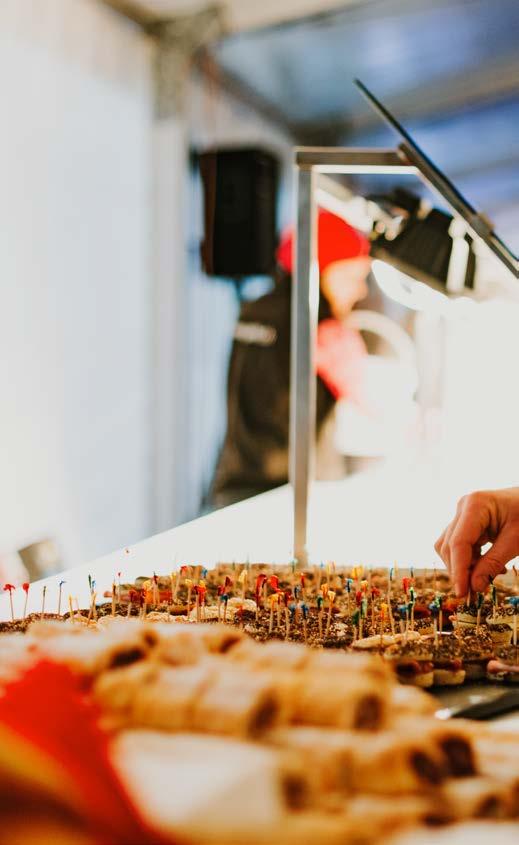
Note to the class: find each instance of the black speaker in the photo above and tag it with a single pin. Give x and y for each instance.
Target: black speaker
(240, 193)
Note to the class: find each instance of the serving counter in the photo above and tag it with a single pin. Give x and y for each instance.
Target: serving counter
(205, 717)
(375, 518)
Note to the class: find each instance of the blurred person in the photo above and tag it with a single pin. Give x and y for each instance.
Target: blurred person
(254, 457)
(486, 516)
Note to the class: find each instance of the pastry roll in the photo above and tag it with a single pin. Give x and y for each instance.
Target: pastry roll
(127, 642)
(191, 637)
(121, 644)
(393, 764)
(327, 749)
(168, 702)
(219, 639)
(450, 740)
(287, 686)
(296, 782)
(116, 692)
(503, 771)
(42, 629)
(275, 654)
(351, 701)
(383, 763)
(180, 644)
(86, 655)
(236, 703)
(344, 662)
(380, 816)
(478, 798)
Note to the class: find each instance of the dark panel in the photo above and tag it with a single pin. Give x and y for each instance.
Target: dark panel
(240, 193)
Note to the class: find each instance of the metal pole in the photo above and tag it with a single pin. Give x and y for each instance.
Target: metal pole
(310, 162)
(305, 304)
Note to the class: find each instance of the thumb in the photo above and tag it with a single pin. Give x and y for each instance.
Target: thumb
(494, 561)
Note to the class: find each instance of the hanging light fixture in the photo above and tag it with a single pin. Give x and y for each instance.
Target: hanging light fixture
(430, 257)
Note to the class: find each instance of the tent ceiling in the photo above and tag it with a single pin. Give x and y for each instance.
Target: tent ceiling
(238, 14)
(449, 69)
(421, 56)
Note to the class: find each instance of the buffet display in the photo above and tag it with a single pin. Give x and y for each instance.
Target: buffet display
(247, 704)
(427, 635)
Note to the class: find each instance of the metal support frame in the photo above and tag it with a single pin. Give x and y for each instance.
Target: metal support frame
(305, 303)
(310, 162)
(178, 41)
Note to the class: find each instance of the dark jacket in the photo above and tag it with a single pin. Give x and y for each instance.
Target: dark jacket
(254, 457)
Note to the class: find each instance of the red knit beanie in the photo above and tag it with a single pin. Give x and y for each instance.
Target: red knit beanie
(337, 241)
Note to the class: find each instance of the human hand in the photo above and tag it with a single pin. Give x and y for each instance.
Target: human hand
(489, 516)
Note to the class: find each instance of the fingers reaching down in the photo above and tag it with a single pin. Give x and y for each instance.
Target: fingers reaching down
(482, 517)
(493, 562)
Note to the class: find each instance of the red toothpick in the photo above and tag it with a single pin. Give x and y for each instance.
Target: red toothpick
(10, 587)
(260, 580)
(25, 588)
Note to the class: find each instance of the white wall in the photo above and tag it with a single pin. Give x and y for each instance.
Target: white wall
(77, 412)
(75, 281)
(216, 119)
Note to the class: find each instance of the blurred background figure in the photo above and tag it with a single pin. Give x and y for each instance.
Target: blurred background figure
(254, 457)
(116, 333)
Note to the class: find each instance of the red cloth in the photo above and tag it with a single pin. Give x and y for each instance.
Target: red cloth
(337, 241)
(341, 353)
(45, 715)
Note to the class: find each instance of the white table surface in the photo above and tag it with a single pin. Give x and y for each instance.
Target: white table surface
(358, 520)
(392, 514)
(387, 515)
